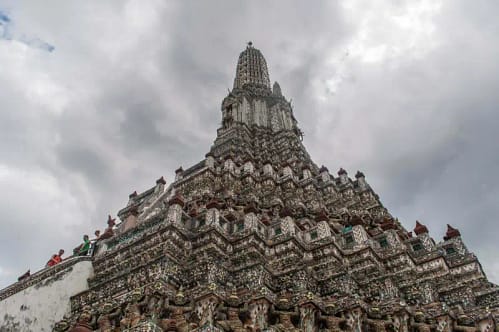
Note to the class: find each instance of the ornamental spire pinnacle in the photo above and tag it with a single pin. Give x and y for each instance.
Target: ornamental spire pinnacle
(251, 69)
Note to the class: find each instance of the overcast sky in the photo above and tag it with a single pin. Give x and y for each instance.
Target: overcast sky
(101, 98)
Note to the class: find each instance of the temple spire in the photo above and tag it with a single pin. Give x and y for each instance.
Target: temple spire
(251, 69)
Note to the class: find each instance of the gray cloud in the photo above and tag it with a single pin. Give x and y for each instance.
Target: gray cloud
(405, 92)
(8, 32)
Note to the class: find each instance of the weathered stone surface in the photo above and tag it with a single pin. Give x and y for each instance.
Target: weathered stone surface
(43, 298)
(257, 237)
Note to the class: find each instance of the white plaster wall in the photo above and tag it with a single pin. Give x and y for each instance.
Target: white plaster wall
(38, 307)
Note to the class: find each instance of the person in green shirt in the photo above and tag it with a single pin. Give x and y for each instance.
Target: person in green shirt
(85, 246)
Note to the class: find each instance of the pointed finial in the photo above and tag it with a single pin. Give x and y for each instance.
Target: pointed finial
(420, 228)
(276, 89)
(451, 233)
(250, 43)
(161, 180)
(111, 220)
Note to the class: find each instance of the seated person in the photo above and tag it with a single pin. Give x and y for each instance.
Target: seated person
(24, 276)
(56, 259)
(82, 249)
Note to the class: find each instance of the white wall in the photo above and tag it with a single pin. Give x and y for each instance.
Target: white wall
(39, 306)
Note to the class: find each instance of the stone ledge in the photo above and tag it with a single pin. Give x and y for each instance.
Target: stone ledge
(40, 275)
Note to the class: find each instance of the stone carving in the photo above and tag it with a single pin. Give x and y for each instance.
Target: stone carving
(205, 310)
(85, 321)
(178, 310)
(133, 311)
(62, 325)
(231, 310)
(108, 312)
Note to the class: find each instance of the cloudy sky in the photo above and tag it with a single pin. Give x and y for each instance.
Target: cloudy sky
(101, 98)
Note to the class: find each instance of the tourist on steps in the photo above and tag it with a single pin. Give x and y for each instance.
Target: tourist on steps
(56, 258)
(82, 249)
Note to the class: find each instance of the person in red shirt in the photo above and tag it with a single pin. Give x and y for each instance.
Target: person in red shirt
(56, 259)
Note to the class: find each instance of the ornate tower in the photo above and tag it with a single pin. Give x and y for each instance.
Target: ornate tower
(251, 70)
(251, 101)
(256, 237)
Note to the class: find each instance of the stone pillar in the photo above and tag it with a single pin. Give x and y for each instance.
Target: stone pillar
(258, 312)
(422, 233)
(250, 220)
(131, 219)
(306, 173)
(250, 216)
(131, 198)
(210, 161)
(213, 213)
(308, 317)
(287, 171)
(179, 173)
(176, 204)
(248, 167)
(343, 176)
(268, 169)
(229, 164)
(160, 185)
(287, 223)
(361, 180)
(324, 172)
